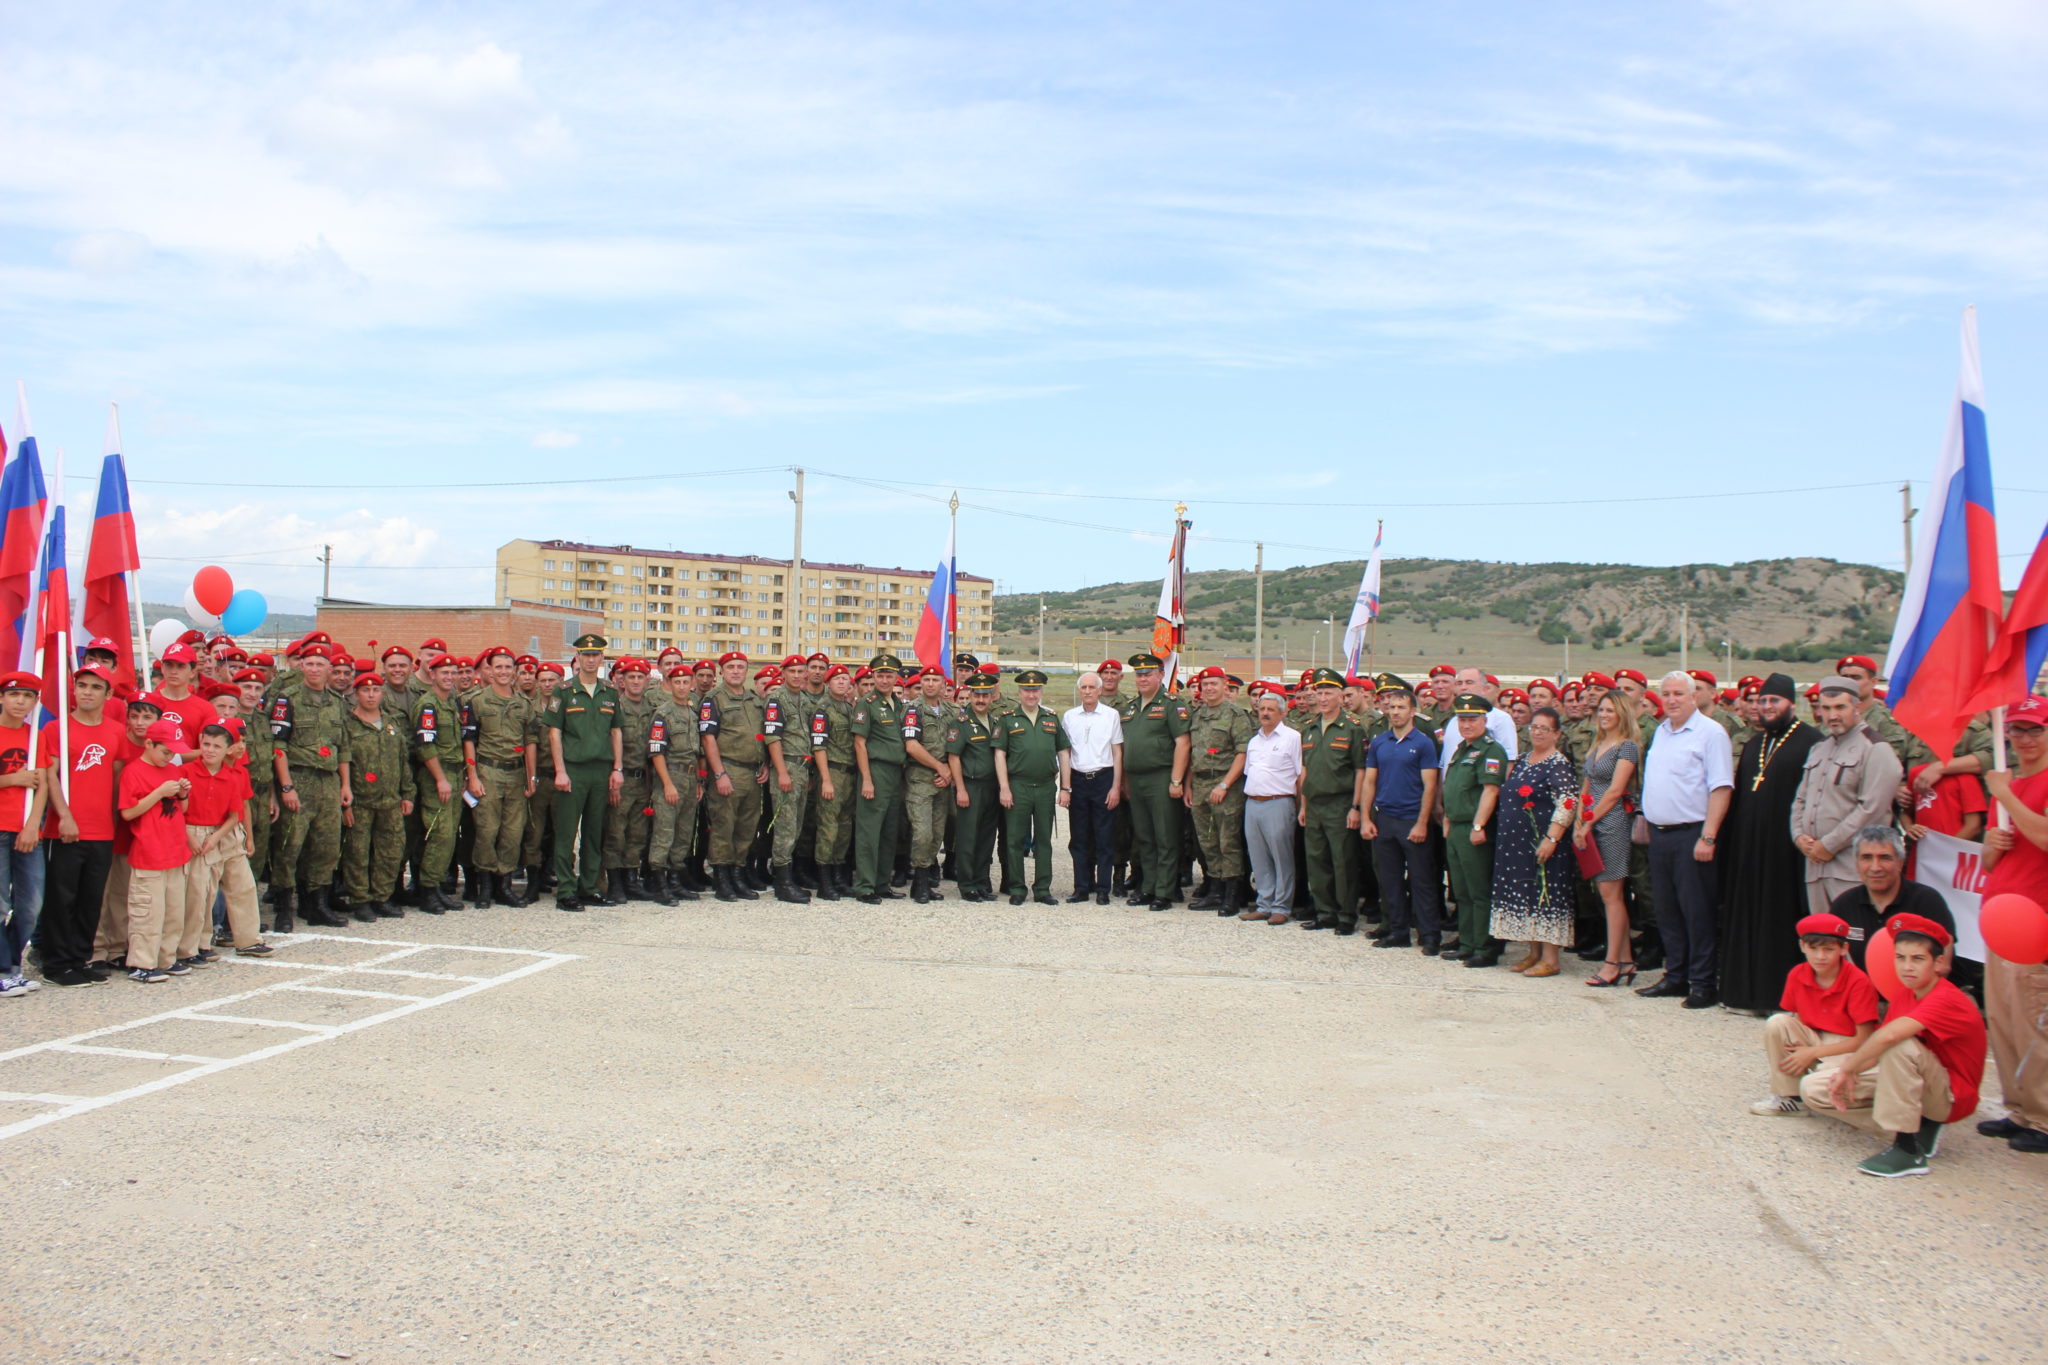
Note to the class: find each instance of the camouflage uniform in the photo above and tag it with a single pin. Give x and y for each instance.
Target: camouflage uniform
(673, 737)
(306, 727)
(735, 720)
(1218, 736)
(924, 803)
(835, 816)
(436, 733)
(505, 732)
(628, 824)
(380, 778)
(788, 725)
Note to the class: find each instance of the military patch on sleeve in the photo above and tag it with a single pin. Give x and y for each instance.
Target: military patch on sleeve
(707, 717)
(1493, 765)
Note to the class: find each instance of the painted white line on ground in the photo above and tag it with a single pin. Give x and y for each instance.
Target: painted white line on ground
(362, 967)
(129, 1052)
(343, 990)
(73, 1105)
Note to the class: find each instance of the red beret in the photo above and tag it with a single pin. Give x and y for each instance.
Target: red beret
(254, 675)
(551, 666)
(1212, 671)
(795, 661)
(443, 661)
(1442, 671)
(494, 651)
(1703, 675)
(1595, 678)
(1535, 683)
(835, 671)
(20, 681)
(434, 646)
(821, 657)
(1919, 924)
(1834, 926)
(400, 650)
(1110, 666)
(729, 656)
(1633, 675)
(1863, 661)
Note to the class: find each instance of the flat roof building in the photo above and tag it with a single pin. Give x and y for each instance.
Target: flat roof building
(707, 603)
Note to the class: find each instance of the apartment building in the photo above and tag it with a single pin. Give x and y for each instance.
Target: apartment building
(705, 604)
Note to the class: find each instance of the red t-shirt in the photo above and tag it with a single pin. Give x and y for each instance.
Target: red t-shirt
(1942, 810)
(17, 751)
(157, 839)
(193, 714)
(1954, 1032)
(94, 749)
(1850, 1002)
(215, 796)
(125, 757)
(2023, 868)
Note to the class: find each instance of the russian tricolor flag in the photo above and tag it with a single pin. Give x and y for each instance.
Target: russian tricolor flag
(23, 503)
(111, 557)
(2023, 645)
(933, 643)
(1950, 613)
(53, 618)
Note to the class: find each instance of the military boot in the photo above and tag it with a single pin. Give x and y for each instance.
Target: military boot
(786, 889)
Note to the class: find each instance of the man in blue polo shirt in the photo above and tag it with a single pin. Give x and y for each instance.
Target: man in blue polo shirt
(1397, 792)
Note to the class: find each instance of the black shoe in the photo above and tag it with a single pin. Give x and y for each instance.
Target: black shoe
(1455, 954)
(1080, 898)
(1393, 941)
(1016, 898)
(447, 900)
(317, 910)
(386, 910)
(1311, 924)
(786, 889)
(566, 900)
(1702, 999)
(428, 904)
(692, 881)
(901, 876)
(1595, 953)
(924, 885)
(2028, 1140)
(1047, 899)
(1381, 934)
(1137, 898)
(1102, 898)
(363, 913)
(1163, 903)
(2002, 1128)
(1208, 896)
(872, 898)
(1667, 985)
(508, 896)
(1483, 959)
(1344, 930)
(1233, 897)
(1116, 883)
(479, 890)
(1432, 946)
(721, 885)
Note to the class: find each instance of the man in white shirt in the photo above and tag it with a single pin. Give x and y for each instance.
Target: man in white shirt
(1095, 749)
(1688, 780)
(1500, 723)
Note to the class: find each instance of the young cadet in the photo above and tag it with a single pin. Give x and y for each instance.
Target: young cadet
(1155, 774)
(838, 784)
(879, 751)
(152, 802)
(1830, 1010)
(583, 739)
(628, 823)
(80, 832)
(978, 786)
(1333, 749)
(673, 750)
(1471, 791)
(377, 794)
(1218, 732)
(1928, 1059)
(731, 721)
(216, 831)
(21, 828)
(1032, 770)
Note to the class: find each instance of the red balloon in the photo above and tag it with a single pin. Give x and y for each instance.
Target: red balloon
(1880, 961)
(2015, 927)
(213, 589)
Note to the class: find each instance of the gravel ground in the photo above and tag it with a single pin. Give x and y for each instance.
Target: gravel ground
(968, 1133)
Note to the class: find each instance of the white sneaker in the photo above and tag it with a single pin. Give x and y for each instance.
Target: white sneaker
(15, 985)
(1779, 1106)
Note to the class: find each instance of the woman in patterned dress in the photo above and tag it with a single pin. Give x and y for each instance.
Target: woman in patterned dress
(1533, 898)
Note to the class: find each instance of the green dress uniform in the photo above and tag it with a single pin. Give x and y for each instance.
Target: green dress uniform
(306, 727)
(736, 720)
(973, 739)
(879, 723)
(788, 726)
(1477, 765)
(1152, 732)
(925, 803)
(832, 724)
(1217, 737)
(1031, 745)
(628, 824)
(437, 734)
(673, 737)
(380, 780)
(504, 741)
(586, 718)
(1332, 756)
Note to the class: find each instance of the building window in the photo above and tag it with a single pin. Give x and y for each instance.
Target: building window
(746, 578)
(547, 563)
(639, 572)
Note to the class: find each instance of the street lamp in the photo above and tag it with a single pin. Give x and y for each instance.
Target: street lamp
(1728, 665)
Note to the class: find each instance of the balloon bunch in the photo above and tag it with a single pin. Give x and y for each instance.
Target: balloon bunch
(214, 603)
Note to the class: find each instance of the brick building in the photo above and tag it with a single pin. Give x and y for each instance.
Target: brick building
(704, 603)
(527, 627)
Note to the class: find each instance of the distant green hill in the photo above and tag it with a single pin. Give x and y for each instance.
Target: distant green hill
(276, 624)
(1510, 617)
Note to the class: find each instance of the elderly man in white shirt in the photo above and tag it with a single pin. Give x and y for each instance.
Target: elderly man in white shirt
(1095, 751)
(1688, 781)
(1500, 723)
(1272, 810)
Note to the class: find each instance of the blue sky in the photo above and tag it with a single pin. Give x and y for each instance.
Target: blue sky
(1312, 254)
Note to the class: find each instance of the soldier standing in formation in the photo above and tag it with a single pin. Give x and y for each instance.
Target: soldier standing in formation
(1471, 791)
(878, 751)
(1155, 776)
(629, 819)
(971, 741)
(438, 745)
(583, 739)
(501, 769)
(1333, 748)
(1032, 764)
(928, 791)
(674, 755)
(1218, 732)
(731, 720)
(377, 795)
(306, 744)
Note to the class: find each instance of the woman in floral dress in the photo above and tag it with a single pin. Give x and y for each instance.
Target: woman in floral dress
(1533, 895)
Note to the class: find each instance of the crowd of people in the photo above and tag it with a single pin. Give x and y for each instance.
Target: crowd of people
(1749, 851)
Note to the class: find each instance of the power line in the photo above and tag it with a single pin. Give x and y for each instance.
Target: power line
(472, 485)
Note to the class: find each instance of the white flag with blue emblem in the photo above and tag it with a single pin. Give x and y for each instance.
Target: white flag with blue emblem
(1366, 607)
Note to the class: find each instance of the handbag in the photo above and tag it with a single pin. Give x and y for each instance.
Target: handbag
(1591, 864)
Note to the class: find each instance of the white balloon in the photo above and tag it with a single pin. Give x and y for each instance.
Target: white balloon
(201, 617)
(164, 634)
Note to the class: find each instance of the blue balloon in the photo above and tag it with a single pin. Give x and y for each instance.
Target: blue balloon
(246, 610)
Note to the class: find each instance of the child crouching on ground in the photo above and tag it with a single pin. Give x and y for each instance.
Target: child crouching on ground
(1830, 1009)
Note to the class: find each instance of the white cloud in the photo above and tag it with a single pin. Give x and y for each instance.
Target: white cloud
(556, 440)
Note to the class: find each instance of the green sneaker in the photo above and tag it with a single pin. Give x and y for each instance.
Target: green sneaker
(1894, 1161)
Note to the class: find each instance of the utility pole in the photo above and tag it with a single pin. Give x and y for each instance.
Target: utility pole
(326, 571)
(795, 595)
(1684, 635)
(1906, 498)
(1567, 661)
(1259, 611)
(1041, 630)
(1330, 644)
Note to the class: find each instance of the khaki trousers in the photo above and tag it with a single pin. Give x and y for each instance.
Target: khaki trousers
(156, 915)
(1783, 1032)
(226, 868)
(111, 941)
(1907, 1085)
(2015, 1003)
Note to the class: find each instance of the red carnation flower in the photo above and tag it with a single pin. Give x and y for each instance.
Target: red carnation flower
(760, 739)
(325, 751)
(647, 810)
(369, 777)
(1525, 790)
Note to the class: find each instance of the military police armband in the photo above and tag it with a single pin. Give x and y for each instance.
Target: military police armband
(429, 725)
(820, 729)
(771, 719)
(707, 718)
(469, 725)
(913, 724)
(657, 736)
(281, 718)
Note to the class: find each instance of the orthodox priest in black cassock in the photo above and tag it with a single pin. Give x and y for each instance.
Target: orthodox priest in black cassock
(1762, 875)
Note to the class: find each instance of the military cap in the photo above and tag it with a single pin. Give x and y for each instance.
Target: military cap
(1512, 694)
(1325, 677)
(1812, 691)
(1654, 702)
(366, 678)
(1308, 677)
(254, 675)
(1442, 671)
(704, 666)
(441, 661)
(836, 671)
(1141, 661)
(820, 657)
(1727, 694)
(1491, 679)
(1384, 683)
(980, 682)
(234, 656)
(863, 672)
(1109, 666)
(632, 666)
(768, 671)
(182, 654)
(795, 661)
(889, 663)
(102, 645)
(261, 660)
(591, 643)
(1031, 677)
(344, 659)
(1703, 675)
(1862, 661)
(1353, 680)
(677, 671)
(1471, 704)
(1748, 680)
(20, 681)
(729, 656)
(965, 663)
(1212, 671)
(990, 669)
(1571, 688)
(399, 650)
(494, 651)
(1838, 684)
(311, 637)
(145, 703)
(1750, 688)
(1594, 678)
(464, 661)
(1634, 675)
(671, 649)
(527, 661)
(1535, 683)
(550, 666)
(439, 646)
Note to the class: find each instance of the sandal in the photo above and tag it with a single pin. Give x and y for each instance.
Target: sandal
(1622, 977)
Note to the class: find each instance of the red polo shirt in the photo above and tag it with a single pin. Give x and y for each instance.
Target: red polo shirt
(157, 837)
(1954, 1032)
(215, 796)
(1850, 1002)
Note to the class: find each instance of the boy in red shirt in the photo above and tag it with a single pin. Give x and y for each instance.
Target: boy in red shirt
(217, 834)
(79, 834)
(110, 946)
(1928, 1059)
(152, 797)
(1830, 1011)
(21, 824)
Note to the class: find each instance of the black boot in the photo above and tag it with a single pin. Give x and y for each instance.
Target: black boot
(281, 917)
(388, 910)
(759, 875)
(479, 889)
(362, 912)
(509, 896)
(660, 887)
(787, 890)
(829, 888)
(428, 902)
(679, 884)
(636, 889)
(692, 879)
(614, 892)
(721, 886)
(1233, 897)
(1209, 895)
(806, 873)
(317, 910)
(921, 885)
(742, 884)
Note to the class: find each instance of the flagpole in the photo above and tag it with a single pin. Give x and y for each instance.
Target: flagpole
(140, 653)
(950, 648)
(63, 651)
